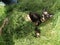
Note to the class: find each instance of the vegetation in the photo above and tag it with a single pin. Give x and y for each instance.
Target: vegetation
(18, 31)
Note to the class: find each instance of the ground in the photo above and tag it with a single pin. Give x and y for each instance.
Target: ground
(50, 34)
(23, 31)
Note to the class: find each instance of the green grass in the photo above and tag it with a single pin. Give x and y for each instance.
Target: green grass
(24, 31)
(2, 9)
(50, 34)
(2, 13)
(21, 32)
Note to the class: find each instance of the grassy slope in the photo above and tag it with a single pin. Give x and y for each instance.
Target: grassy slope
(50, 34)
(50, 31)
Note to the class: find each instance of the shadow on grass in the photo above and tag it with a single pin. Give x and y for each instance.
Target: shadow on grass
(24, 30)
(7, 36)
